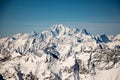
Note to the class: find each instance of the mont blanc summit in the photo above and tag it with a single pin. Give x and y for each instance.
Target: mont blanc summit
(60, 53)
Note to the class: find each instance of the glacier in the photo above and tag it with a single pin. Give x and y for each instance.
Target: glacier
(60, 53)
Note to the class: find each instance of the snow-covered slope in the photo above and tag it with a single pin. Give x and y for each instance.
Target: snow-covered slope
(60, 53)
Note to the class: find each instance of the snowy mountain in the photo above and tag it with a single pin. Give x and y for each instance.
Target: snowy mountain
(60, 53)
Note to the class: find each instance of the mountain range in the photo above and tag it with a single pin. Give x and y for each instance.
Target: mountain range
(60, 53)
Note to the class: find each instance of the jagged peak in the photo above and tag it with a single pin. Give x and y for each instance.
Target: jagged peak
(58, 27)
(103, 38)
(59, 30)
(84, 31)
(61, 27)
(33, 33)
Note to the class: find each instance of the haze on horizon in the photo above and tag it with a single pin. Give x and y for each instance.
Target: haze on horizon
(97, 16)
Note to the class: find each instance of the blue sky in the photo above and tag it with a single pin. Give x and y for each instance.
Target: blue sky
(97, 16)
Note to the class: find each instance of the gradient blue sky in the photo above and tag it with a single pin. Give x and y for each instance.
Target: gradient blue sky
(97, 16)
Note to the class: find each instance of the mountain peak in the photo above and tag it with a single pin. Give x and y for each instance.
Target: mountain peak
(57, 26)
(59, 29)
(84, 31)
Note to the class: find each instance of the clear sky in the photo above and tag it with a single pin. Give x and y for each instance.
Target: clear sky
(97, 16)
